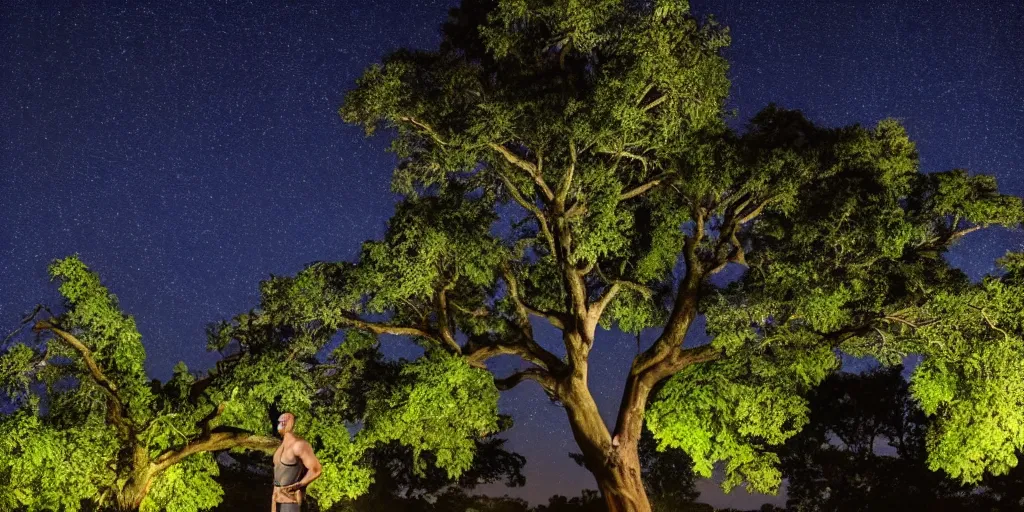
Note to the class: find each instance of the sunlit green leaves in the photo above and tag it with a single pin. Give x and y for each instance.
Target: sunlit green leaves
(440, 405)
(111, 335)
(345, 475)
(186, 487)
(972, 379)
(45, 468)
(734, 410)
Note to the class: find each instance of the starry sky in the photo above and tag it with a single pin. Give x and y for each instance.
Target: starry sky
(187, 151)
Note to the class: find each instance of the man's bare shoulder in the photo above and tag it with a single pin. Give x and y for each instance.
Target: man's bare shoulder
(299, 445)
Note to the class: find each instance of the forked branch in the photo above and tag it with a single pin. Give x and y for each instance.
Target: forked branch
(531, 168)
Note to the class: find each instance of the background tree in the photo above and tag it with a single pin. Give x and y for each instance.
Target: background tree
(667, 475)
(90, 430)
(865, 449)
(568, 162)
(395, 487)
(588, 501)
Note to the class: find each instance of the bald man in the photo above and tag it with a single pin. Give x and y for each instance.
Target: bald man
(295, 466)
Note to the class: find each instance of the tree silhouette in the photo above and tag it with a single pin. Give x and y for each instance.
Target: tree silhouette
(865, 449)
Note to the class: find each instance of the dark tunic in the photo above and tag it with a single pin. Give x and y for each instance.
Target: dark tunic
(285, 475)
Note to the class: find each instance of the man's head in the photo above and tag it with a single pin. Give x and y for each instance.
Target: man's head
(286, 423)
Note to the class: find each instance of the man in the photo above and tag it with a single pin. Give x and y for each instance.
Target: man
(295, 466)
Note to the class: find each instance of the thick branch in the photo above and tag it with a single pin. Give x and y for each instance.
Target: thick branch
(444, 321)
(956, 235)
(204, 424)
(478, 352)
(734, 220)
(629, 194)
(640, 382)
(658, 101)
(381, 328)
(576, 210)
(566, 183)
(216, 441)
(538, 375)
(597, 308)
(114, 400)
(525, 309)
(530, 168)
(668, 348)
(623, 153)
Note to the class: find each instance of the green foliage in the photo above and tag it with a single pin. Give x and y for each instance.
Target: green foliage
(735, 410)
(595, 131)
(973, 378)
(43, 467)
(65, 447)
(186, 487)
(112, 336)
(441, 405)
(345, 475)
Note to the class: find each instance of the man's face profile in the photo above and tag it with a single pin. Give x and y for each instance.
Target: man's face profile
(284, 423)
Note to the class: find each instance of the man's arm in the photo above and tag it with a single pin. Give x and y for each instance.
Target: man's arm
(273, 500)
(313, 468)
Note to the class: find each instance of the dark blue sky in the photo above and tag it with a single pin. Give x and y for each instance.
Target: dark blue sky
(188, 152)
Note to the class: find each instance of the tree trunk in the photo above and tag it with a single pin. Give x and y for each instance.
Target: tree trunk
(139, 481)
(134, 491)
(620, 482)
(131, 496)
(615, 463)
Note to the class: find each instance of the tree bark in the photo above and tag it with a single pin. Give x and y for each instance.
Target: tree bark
(134, 491)
(620, 481)
(614, 462)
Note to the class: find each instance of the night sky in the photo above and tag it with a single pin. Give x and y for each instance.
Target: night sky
(186, 153)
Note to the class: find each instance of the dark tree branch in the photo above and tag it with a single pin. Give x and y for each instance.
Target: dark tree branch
(538, 375)
(524, 309)
(426, 128)
(444, 321)
(657, 101)
(204, 424)
(566, 183)
(382, 328)
(629, 194)
(114, 402)
(597, 308)
(477, 352)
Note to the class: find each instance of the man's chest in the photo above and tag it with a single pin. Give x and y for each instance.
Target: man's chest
(284, 453)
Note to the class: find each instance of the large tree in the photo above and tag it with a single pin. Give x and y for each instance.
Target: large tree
(568, 162)
(90, 430)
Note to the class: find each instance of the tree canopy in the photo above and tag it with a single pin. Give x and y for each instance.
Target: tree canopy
(570, 162)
